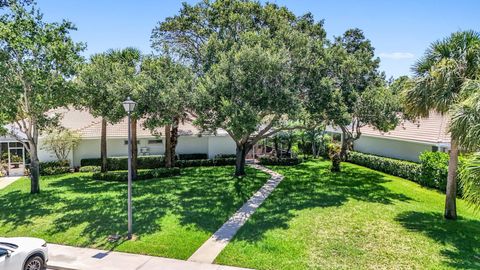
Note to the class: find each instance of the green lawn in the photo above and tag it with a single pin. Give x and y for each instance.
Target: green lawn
(357, 219)
(172, 216)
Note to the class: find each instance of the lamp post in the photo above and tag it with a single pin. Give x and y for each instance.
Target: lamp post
(129, 106)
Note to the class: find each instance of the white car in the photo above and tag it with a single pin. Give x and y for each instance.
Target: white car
(23, 253)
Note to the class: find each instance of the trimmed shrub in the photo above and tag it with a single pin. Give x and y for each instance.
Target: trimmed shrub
(121, 163)
(54, 167)
(195, 156)
(401, 168)
(205, 162)
(225, 156)
(434, 169)
(89, 169)
(225, 161)
(55, 170)
(122, 176)
(152, 162)
(280, 161)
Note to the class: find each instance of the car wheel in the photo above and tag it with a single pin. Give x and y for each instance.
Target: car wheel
(34, 263)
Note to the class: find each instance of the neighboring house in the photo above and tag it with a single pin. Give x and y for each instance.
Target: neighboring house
(407, 141)
(191, 141)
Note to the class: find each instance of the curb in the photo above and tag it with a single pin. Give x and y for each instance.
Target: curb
(56, 267)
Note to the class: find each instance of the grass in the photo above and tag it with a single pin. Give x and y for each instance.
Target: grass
(172, 216)
(356, 219)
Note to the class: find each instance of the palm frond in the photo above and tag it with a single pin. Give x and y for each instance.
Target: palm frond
(470, 181)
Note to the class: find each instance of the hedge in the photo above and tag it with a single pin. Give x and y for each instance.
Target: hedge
(152, 162)
(401, 168)
(225, 156)
(121, 163)
(54, 167)
(434, 169)
(205, 162)
(192, 156)
(280, 161)
(89, 169)
(122, 176)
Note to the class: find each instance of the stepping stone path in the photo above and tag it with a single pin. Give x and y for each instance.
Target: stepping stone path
(220, 239)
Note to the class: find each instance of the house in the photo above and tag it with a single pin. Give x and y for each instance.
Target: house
(407, 141)
(191, 141)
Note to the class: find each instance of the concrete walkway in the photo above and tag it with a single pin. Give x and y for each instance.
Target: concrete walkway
(5, 181)
(74, 258)
(220, 239)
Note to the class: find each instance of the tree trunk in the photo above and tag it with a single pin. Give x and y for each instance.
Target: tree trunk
(168, 153)
(344, 148)
(34, 169)
(289, 148)
(173, 140)
(275, 145)
(133, 126)
(103, 146)
(451, 193)
(241, 153)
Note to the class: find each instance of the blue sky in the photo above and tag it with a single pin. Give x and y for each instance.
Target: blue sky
(400, 30)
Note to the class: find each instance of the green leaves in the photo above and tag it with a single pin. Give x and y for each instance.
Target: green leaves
(465, 117)
(38, 62)
(248, 87)
(167, 91)
(442, 71)
(470, 181)
(107, 80)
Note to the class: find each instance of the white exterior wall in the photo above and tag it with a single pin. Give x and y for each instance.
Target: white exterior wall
(211, 145)
(45, 156)
(220, 145)
(390, 148)
(192, 145)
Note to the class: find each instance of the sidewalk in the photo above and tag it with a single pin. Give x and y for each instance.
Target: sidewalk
(74, 258)
(5, 181)
(220, 239)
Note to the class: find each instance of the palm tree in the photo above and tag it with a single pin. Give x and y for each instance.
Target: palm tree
(470, 181)
(438, 82)
(465, 126)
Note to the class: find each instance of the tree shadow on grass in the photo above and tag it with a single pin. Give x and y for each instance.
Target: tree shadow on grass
(311, 185)
(463, 234)
(201, 197)
(20, 208)
(209, 205)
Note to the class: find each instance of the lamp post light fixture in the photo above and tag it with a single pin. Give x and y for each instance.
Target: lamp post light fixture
(129, 106)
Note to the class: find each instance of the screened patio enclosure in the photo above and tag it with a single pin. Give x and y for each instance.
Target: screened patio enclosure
(13, 157)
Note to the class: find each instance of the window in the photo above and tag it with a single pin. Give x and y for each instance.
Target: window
(126, 142)
(434, 148)
(159, 141)
(3, 252)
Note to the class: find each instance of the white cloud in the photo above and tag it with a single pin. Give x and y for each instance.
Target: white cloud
(397, 55)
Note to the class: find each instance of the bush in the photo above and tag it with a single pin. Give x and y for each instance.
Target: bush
(280, 161)
(222, 156)
(434, 169)
(122, 176)
(205, 162)
(152, 162)
(225, 161)
(121, 163)
(334, 150)
(54, 167)
(401, 168)
(89, 169)
(55, 170)
(195, 156)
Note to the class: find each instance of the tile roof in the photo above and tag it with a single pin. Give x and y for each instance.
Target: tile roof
(91, 127)
(429, 130)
